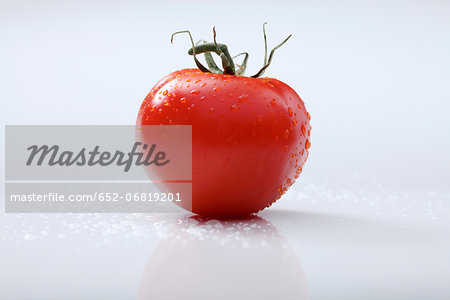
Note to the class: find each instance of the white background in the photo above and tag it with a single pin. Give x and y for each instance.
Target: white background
(375, 76)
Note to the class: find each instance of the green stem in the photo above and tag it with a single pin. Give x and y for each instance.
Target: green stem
(208, 57)
(227, 61)
(197, 62)
(270, 58)
(243, 66)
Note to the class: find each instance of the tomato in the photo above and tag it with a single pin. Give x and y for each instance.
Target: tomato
(250, 137)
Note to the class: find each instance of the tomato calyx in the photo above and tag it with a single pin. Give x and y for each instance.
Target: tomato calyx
(221, 50)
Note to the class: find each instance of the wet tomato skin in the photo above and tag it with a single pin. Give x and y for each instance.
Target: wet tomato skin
(250, 137)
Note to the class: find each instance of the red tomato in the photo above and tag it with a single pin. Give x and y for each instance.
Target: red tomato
(250, 137)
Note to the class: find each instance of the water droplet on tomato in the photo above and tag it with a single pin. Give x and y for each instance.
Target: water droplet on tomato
(286, 134)
(307, 144)
(235, 108)
(202, 97)
(285, 149)
(183, 100)
(294, 122)
(308, 115)
(195, 92)
(303, 129)
(242, 97)
(165, 92)
(216, 89)
(211, 110)
(166, 103)
(197, 81)
(203, 84)
(290, 112)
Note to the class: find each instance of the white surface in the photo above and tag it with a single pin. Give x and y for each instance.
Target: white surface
(338, 243)
(370, 216)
